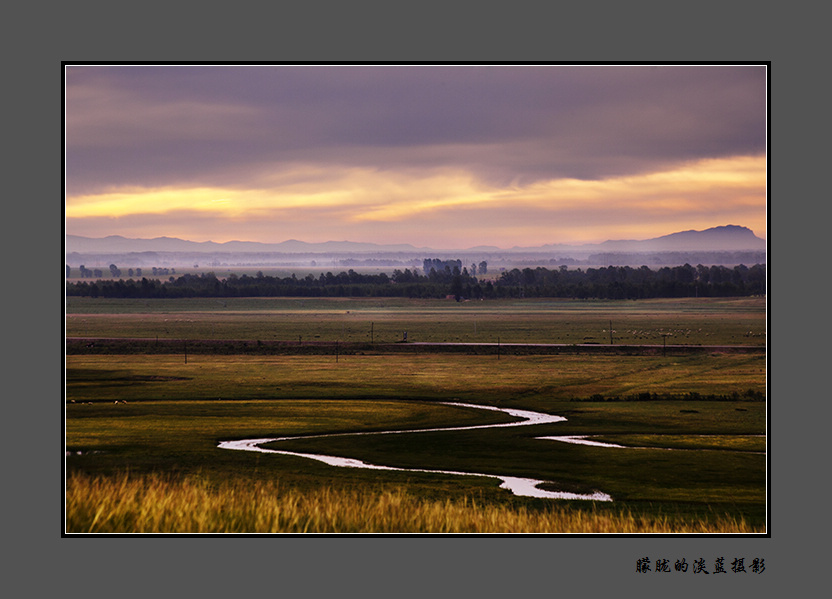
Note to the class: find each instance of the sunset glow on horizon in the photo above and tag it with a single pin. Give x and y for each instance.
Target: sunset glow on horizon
(440, 156)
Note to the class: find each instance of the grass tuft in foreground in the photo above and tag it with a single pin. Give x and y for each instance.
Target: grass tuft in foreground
(153, 503)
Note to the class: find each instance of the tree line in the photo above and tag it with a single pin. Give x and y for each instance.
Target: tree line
(613, 282)
(115, 272)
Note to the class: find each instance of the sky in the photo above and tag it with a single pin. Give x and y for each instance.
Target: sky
(444, 156)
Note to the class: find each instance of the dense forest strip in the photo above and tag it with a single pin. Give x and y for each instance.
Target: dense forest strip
(613, 282)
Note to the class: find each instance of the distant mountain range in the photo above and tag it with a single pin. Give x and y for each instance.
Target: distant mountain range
(725, 238)
(119, 244)
(716, 239)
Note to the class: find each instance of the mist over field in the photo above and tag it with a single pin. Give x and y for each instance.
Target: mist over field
(729, 245)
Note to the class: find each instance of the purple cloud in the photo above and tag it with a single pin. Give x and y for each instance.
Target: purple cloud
(226, 125)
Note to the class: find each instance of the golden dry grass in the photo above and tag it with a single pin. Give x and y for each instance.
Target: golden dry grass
(156, 504)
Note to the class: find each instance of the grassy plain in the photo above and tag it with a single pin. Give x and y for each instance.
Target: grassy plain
(730, 321)
(142, 430)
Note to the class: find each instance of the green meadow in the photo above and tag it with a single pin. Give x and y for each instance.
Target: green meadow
(142, 429)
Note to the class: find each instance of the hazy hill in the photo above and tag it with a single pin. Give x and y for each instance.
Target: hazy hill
(725, 238)
(118, 244)
(728, 246)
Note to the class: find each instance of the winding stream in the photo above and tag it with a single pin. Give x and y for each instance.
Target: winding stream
(525, 487)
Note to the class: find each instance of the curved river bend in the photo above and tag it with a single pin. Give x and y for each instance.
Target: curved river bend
(525, 487)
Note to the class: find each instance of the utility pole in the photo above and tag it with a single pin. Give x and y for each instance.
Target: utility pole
(610, 332)
(498, 348)
(664, 344)
(372, 337)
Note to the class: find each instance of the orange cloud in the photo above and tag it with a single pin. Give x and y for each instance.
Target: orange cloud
(698, 195)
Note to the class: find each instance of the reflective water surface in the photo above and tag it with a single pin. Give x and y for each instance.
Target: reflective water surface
(525, 487)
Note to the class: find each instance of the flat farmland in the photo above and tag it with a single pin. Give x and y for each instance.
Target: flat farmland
(740, 321)
(683, 437)
(427, 376)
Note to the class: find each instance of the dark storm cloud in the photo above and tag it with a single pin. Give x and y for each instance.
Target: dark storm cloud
(232, 125)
